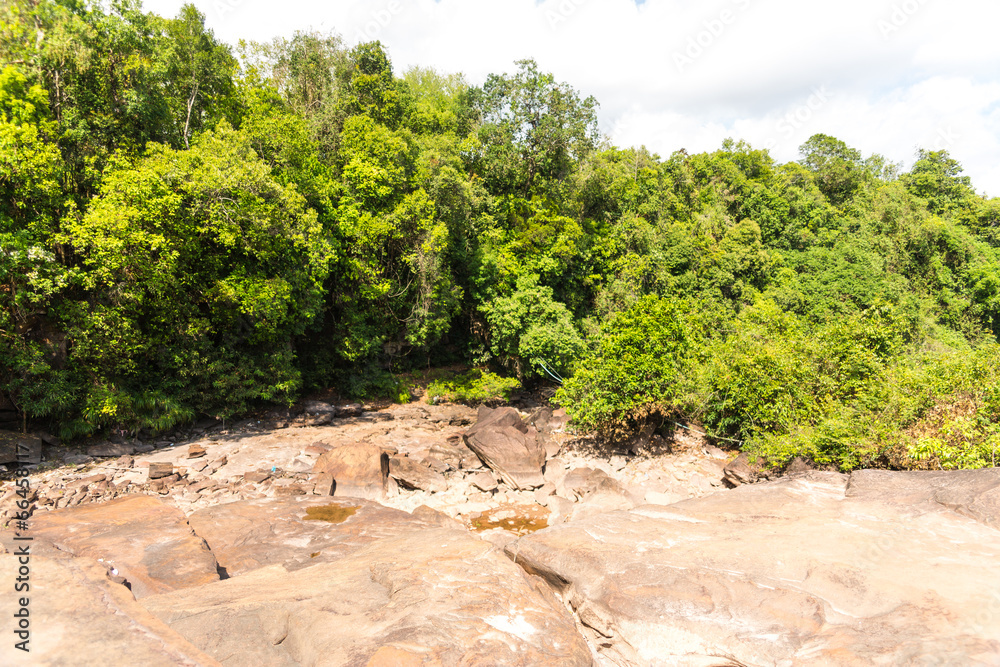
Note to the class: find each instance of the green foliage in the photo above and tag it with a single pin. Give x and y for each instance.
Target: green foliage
(182, 233)
(531, 329)
(476, 386)
(637, 370)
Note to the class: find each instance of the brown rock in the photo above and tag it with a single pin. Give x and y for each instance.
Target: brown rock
(483, 481)
(256, 476)
(106, 449)
(786, 572)
(455, 453)
(738, 471)
(509, 446)
(436, 464)
(149, 542)
(357, 470)
(416, 475)
(158, 470)
(74, 597)
(350, 410)
(196, 451)
(319, 408)
(297, 531)
(433, 596)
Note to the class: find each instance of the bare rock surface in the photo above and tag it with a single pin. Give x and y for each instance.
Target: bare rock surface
(297, 531)
(974, 493)
(795, 571)
(509, 446)
(435, 596)
(147, 541)
(79, 617)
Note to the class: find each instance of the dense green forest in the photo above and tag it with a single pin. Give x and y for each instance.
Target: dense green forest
(192, 228)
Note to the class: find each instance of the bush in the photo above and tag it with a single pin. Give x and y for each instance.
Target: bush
(476, 386)
(638, 368)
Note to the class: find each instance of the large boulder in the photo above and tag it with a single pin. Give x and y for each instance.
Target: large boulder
(148, 541)
(510, 447)
(789, 572)
(77, 616)
(296, 531)
(357, 470)
(436, 596)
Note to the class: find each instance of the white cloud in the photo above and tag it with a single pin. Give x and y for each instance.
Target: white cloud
(900, 73)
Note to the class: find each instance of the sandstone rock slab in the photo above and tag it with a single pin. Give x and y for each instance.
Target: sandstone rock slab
(434, 596)
(146, 539)
(296, 531)
(781, 573)
(79, 617)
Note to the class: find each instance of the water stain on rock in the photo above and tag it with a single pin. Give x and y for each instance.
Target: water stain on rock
(330, 513)
(518, 519)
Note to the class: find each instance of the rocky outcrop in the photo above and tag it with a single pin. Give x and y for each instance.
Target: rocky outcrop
(79, 617)
(433, 596)
(795, 571)
(514, 450)
(146, 541)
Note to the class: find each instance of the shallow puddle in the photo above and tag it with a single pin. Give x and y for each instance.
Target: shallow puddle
(330, 513)
(518, 519)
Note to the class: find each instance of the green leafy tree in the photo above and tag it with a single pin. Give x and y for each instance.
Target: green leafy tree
(533, 130)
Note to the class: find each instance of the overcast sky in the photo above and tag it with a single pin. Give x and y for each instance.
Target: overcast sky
(885, 76)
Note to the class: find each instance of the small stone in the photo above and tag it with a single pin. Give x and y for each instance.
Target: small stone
(257, 476)
(196, 451)
(483, 481)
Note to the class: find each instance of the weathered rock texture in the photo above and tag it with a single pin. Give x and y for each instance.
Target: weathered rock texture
(79, 617)
(509, 446)
(149, 542)
(905, 569)
(296, 531)
(353, 470)
(435, 596)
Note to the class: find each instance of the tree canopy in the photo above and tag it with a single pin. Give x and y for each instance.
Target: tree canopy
(186, 229)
